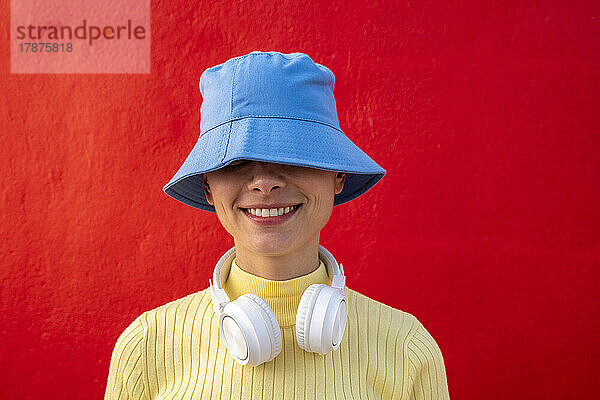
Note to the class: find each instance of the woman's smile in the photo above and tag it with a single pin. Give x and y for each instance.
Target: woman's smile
(270, 216)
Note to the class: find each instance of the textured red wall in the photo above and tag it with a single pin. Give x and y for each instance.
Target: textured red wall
(486, 227)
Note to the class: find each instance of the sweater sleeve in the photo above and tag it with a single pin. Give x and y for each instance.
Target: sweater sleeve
(426, 367)
(125, 378)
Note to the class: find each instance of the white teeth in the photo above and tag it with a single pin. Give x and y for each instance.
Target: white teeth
(270, 212)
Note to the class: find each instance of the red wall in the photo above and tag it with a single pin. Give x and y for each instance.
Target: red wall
(486, 227)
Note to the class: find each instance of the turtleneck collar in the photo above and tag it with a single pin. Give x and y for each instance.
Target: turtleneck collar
(282, 296)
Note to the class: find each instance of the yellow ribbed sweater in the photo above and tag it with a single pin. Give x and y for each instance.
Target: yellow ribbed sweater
(175, 352)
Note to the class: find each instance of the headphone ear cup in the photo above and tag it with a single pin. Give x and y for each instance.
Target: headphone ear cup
(304, 315)
(271, 320)
(321, 318)
(250, 330)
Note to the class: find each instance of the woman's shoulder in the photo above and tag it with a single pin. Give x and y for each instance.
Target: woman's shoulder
(384, 325)
(196, 298)
(375, 313)
(372, 307)
(179, 310)
(139, 345)
(195, 306)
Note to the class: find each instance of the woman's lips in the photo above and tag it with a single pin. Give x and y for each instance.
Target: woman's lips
(271, 220)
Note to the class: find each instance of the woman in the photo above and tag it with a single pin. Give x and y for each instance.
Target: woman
(277, 321)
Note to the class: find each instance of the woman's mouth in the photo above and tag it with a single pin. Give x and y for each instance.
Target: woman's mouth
(270, 216)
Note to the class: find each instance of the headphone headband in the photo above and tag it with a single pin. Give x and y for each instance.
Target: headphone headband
(220, 298)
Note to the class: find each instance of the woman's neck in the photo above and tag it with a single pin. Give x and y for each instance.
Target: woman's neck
(278, 267)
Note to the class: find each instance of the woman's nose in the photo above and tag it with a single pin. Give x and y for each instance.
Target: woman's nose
(266, 177)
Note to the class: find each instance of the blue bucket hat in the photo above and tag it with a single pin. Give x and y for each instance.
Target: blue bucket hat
(271, 107)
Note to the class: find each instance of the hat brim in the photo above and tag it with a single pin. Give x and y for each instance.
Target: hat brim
(277, 140)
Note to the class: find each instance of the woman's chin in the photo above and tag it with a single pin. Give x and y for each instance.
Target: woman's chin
(272, 245)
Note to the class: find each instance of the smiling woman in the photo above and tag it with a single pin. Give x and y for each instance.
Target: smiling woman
(272, 162)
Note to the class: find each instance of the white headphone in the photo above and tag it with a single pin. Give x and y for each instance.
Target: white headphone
(250, 329)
